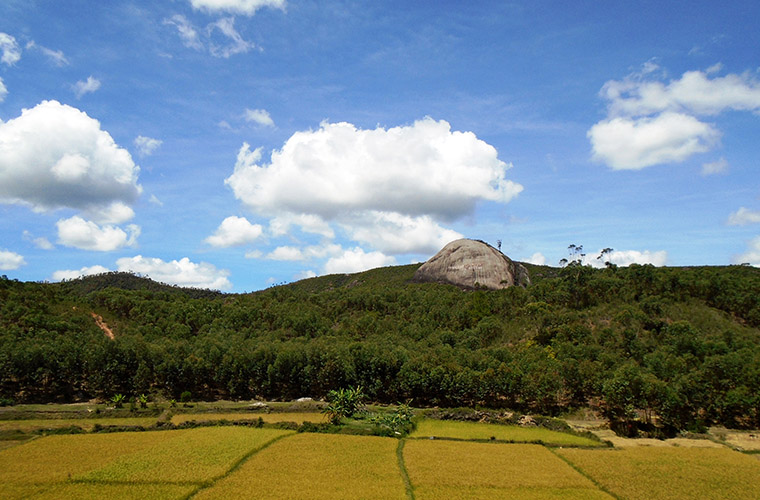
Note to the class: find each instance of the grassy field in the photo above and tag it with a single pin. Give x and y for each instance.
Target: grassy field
(476, 431)
(317, 466)
(230, 462)
(452, 469)
(269, 418)
(670, 473)
(86, 424)
(191, 458)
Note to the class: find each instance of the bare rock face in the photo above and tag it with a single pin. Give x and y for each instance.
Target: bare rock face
(472, 264)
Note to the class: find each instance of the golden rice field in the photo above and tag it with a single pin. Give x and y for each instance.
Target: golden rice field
(269, 418)
(671, 473)
(453, 469)
(476, 431)
(317, 466)
(242, 462)
(85, 423)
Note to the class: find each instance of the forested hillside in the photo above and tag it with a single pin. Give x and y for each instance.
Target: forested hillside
(679, 343)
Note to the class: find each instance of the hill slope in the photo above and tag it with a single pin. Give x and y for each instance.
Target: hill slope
(679, 343)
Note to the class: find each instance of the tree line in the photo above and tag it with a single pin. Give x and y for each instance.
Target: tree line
(675, 347)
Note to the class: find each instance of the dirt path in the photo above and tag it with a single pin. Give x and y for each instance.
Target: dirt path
(102, 325)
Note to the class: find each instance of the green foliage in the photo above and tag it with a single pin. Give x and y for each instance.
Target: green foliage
(343, 403)
(118, 400)
(397, 423)
(678, 344)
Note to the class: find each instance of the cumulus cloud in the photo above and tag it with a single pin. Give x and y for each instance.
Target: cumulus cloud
(752, 255)
(181, 272)
(79, 233)
(259, 116)
(394, 233)
(88, 86)
(3, 90)
(308, 223)
(10, 261)
(146, 146)
(395, 181)
(234, 231)
(245, 7)
(303, 275)
(10, 50)
(652, 122)
(55, 156)
(41, 242)
(744, 216)
(420, 169)
(537, 259)
(715, 167)
(286, 253)
(356, 260)
(628, 144)
(624, 258)
(72, 274)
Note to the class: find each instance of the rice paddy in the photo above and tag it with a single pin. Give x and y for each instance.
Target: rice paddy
(670, 473)
(476, 431)
(269, 418)
(317, 466)
(451, 469)
(223, 462)
(86, 424)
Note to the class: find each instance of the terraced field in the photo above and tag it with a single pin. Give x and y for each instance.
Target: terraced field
(230, 462)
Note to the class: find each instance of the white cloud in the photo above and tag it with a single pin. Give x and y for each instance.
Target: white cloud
(396, 182)
(11, 52)
(187, 32)
(154, 200)
(181, 272)
(652, 122)
(260, 116)
(537, 259)
(87, 235)
(10, 260)
(394, 233)
(308, 223)
(55, 156)
(245, 7)
(231, 44)
(715, 167)
(744, 216)
(632, 144)
(693, 93)
(3, 90)
(420, 169)
(146, 146)
(627, 257)
(56, 56)
(72, 274)
(220, 38)
(752, 255)
(356, 260)
(88, 86)
(41, 242)
(234, 231)
(303, 275)
(285, 253)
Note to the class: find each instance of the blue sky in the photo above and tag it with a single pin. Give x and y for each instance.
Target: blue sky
(234, 144)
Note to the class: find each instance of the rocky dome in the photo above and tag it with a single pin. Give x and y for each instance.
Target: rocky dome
(472, 264)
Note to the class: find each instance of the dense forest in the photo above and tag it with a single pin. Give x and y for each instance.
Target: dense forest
(679, 347)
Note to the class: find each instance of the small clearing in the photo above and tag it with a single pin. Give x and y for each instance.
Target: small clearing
(102, 325)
